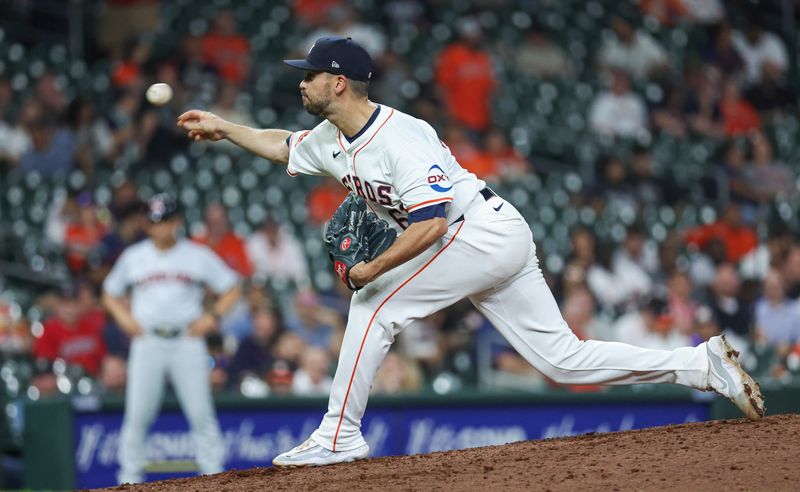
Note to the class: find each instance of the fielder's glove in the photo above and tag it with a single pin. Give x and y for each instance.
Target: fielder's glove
(354, 235)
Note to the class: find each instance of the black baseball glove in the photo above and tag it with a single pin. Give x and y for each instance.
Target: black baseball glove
(354, 235)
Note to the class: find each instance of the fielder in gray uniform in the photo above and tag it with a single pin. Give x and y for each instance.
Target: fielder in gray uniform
(167, 278)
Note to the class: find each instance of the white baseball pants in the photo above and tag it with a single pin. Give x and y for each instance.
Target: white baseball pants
(184, 360)
(490, 258)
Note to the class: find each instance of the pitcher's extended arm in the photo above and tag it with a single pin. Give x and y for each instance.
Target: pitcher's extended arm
(269, 144)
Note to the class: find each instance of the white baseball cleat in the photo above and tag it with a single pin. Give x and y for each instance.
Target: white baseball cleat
(312, 454)
(726, 377)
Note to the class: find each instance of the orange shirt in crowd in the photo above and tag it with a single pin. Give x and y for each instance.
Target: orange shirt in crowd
(739, 117)
(231, 248)
(472, 159)
(313, 12)
(229, 54)
(738, 240)
(81, 345)
(466, 79)
(323, 201)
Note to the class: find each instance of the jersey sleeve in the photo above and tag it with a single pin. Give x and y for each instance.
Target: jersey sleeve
(117, 279)
(304, 156)
(420, 175)
(216, 274)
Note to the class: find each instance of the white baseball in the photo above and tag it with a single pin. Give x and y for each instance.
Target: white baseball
(159, 94)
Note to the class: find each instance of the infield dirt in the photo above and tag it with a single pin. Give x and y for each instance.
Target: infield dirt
(719, 455)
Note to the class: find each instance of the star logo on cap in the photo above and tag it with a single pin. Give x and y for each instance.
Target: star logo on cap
(334, 64)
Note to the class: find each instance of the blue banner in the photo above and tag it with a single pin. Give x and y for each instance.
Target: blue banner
(253, 437)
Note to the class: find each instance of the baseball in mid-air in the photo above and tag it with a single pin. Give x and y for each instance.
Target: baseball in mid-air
(159, 94)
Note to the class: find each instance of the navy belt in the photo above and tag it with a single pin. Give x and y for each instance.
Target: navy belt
(487, 195)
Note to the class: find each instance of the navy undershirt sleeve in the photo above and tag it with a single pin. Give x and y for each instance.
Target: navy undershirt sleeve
(426, 213)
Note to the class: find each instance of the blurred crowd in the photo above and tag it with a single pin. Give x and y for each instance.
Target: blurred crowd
(737, 271)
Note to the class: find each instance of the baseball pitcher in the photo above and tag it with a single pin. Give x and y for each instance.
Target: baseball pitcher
(456, 238)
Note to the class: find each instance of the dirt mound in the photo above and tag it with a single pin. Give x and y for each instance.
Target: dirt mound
(718, 455)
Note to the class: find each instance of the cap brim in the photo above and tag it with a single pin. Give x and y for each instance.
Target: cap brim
(301, 64)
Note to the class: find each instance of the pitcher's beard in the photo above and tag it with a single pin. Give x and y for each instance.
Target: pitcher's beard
(316, 108)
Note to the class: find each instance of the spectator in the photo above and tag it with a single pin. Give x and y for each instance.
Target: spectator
(397, 375)
(737, 238)
(114, 374)
(758, 48)
(612, 187)
(540, 57)
(343, 21)
(773, 97)
(276, 254)
(72, 333)
(705, 325)
(467, 153)
(314, 323)
(422, 342)
(84, 234)
(650, 189)
(507, 163)
(288, 348)
(618, 112)
(230, 105)
(704, 11)
(130, 229)
(702, 107)
(15, 334)
(255, 353)
(666, 12)
(465, 78)
(721, 52)
(777, 319)
(219, 237)
(769, 178)
(632, 51)
(652, 326)
(323, 200)
(49, 92)
(313, 12)
(579, 313)
(220, 362)
(94, 141)
(52, 151)
(791, 272)
(740, 188)
(312, 378)
(238, 322)
(15, 139)
(772, 254)
(634, 264)
(123, 120)
(739, 117)
(227, 50)
(126, 72)
(730, 311)
(279, 377)
(668, 118)
(681, 305)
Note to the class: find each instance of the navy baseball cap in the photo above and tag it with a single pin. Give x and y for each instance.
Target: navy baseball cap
(340, 56)
(161, 207)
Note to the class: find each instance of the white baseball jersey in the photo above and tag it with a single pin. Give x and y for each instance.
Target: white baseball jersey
(396, 163)
(167, 287)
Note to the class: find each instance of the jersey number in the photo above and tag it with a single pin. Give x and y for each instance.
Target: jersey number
(397, 215)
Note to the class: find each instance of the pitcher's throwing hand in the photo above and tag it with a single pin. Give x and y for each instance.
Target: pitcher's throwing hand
(203, 125)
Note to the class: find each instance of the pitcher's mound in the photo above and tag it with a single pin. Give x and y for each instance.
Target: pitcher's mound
(719, 455)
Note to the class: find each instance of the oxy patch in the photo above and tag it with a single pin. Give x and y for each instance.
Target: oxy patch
(438, 180)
